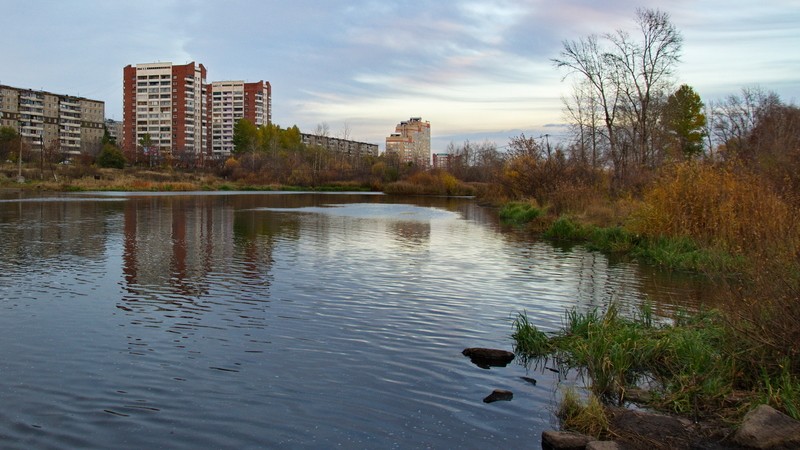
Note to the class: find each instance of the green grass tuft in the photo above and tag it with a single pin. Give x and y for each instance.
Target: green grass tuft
(520, 213)
(528, 339)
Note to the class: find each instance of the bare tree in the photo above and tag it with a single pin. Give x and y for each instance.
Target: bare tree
(581, 111)
(738, 115)
(627, 79)
(586, 58)
(644, 69)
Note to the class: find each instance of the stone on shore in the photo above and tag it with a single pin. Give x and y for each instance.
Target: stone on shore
(767, 428)
(565, 440)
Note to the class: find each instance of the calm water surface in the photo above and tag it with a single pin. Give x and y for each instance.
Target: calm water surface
(244, 320)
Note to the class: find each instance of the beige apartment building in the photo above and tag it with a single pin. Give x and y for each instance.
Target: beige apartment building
(231, 101)
(341, 146)
(67, 124)
(411, 141)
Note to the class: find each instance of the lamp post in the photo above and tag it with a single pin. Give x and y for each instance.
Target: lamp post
(20, 178)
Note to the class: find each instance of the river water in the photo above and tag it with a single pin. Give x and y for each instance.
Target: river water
(289, 320)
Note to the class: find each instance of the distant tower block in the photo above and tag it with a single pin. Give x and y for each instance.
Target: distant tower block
(411, 141)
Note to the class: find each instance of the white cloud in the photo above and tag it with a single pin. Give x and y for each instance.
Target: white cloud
(465, 65)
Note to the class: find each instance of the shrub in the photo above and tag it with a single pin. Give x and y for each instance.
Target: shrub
(719, 207)
(111, 157)
(435, 182)
(566, 229)
(520, 213)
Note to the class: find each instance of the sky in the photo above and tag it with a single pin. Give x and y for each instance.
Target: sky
(477, 70)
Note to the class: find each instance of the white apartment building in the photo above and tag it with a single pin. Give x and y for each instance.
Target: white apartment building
(234, 100)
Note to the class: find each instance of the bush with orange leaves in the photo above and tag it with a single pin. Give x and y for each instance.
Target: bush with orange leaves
(721, 207)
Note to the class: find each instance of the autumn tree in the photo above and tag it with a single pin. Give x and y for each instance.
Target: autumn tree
(146, 146)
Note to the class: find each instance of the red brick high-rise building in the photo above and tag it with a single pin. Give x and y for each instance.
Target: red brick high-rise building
(170, 104)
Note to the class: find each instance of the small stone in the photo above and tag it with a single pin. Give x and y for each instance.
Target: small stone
(565, 440)
(498, 395)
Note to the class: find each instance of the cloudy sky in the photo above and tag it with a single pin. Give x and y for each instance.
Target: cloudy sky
(477, 70)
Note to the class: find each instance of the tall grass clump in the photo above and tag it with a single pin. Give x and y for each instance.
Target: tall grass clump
(565, 228)
(688, 364)
(520, 213)
(529, 340)
(584, 417)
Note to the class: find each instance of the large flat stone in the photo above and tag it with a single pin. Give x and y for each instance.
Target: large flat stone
(767, 428)
(565, 440)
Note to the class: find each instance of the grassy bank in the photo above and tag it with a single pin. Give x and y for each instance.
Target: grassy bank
(669, 252)
(716, 220)
(702, 365)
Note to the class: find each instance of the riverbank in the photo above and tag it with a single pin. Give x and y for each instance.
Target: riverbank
(90, 178)
(708, 367)
(704, 370)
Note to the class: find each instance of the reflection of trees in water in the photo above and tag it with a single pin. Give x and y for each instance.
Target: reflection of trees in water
(411, 234)
(593, 279)
(602, 279)
(56, 231)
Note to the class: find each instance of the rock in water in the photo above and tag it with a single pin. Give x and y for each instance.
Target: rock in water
(499, 394)
(488, 357)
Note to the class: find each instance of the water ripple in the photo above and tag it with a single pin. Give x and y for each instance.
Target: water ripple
(298, 320)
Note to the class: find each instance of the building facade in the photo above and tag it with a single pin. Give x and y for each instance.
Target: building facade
(168, 103)
(341, 146)
(233, 100)
(411, 142)
(60, 123)
(114, 128)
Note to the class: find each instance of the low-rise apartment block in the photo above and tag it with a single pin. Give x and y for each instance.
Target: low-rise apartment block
(67, 124)
(341, 146)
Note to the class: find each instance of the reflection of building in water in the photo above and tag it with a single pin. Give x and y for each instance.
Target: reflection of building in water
(55, 229)
(175, 241)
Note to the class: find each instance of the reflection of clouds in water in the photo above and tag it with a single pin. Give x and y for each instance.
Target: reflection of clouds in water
(409, 225)
(401, 212)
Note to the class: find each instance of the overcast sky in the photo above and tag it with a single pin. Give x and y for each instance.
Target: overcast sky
(476, 70)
